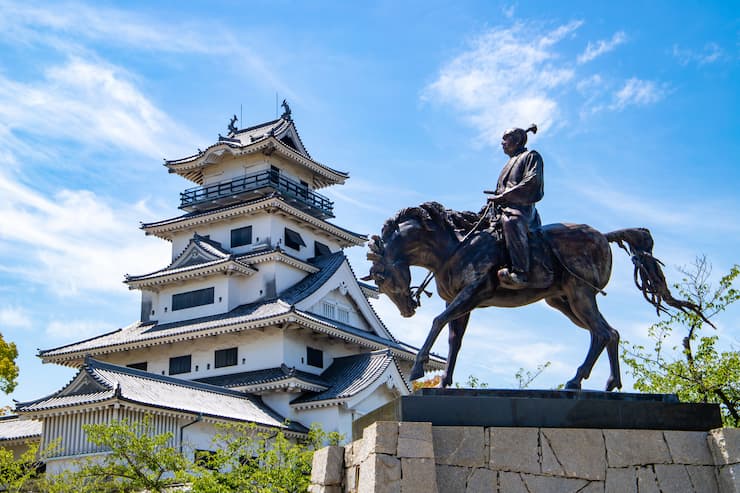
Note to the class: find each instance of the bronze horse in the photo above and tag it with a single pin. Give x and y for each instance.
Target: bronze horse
(465, 262)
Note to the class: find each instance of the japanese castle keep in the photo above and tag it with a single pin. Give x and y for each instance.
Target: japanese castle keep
(257, 318)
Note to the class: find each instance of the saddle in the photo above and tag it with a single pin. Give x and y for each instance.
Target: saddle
(563, 245)
(540, 273)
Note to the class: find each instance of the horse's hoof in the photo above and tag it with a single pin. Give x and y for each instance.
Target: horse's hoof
(416, 373)
(613, 383)
(573, 385)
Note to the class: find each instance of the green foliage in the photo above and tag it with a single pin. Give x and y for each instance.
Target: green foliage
(8, 367)
(473, 382)
(696, 370)
(16, 474)
(255, 461)
(245, 458)
(525, 378)
(138, 458)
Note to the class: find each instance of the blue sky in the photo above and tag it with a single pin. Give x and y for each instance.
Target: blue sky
(637, 106)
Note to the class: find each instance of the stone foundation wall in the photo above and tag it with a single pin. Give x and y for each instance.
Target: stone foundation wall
(404, 457)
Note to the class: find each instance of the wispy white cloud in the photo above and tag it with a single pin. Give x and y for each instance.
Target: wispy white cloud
(73, 240)
(509, 10)
(506, 76)
(33, 23)
(594, 50)
(76, 329)
(14, 318)
(637, 92)
(90, 102)
(709, 54)
(74, 28)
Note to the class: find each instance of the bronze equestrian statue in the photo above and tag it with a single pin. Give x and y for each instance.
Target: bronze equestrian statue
(569, 265)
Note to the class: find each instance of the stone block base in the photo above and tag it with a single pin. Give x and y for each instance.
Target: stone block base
(411, 457)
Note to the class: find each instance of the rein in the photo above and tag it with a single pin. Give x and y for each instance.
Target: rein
(416, 291)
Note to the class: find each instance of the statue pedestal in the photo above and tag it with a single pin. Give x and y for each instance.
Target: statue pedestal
(465, 440)
(545, 409)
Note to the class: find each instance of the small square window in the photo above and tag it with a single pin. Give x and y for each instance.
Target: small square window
(293, 239)
(314, 357)
(241, 236)
(226, 357)
(180, 364)
(320, 249)
(343, 315)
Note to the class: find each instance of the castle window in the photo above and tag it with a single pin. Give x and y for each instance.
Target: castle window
(138, 366)
(241, 236)
(314, 357)
(343, 315)
(225, 357)
(293, 239)
(192, 298)
(320, 249)
(328, 310)
(180, 364)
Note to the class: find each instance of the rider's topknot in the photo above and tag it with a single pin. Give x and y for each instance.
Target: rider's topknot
(521, 134)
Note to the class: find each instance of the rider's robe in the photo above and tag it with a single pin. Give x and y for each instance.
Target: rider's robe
(520, 184)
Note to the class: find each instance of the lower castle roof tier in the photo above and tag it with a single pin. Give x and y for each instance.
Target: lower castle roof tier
(289, 309)
(101, 383)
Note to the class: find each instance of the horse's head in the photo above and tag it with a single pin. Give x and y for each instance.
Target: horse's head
(391, 273)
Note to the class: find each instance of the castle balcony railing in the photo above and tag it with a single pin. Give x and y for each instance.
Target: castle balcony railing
(254, 186)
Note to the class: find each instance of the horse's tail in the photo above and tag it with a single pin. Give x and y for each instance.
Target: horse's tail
(648, 275)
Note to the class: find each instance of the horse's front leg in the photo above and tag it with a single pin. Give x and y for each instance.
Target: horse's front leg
(456, 329)
(465, 301)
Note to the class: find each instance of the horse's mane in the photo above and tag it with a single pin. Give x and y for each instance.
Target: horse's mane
(433, 215)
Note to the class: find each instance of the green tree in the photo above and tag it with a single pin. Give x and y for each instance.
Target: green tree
(251, 460)
(17, 473)
(8, 367)
(138, 459)
(694, 369)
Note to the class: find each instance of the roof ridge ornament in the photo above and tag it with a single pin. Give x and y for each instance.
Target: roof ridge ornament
(232, 127)
(287, 113)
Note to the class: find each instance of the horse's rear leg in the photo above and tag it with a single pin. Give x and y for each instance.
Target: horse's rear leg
(582, 301)
(456, 331)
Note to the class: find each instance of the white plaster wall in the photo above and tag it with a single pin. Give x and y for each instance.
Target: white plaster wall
(331, 418)
(198, 436)
(230, 167)
(280, 402)
(257, 350)
(296, 341)
(267, 229)
(340, 301)
(162, 300)
(279, 223)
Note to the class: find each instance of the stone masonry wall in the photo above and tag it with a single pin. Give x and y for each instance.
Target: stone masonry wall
(403, 457)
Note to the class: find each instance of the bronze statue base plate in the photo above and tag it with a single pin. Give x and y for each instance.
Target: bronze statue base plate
(545, 409)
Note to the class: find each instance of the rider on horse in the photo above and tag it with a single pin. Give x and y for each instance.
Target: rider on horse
(520, 185)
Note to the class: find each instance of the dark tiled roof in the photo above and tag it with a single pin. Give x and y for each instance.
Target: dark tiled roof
(14, 428)
(255, 134)
(269, 375)
(164, 392)
(350, 375)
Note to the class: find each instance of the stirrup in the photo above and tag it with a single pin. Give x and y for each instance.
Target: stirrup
(512, 279)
